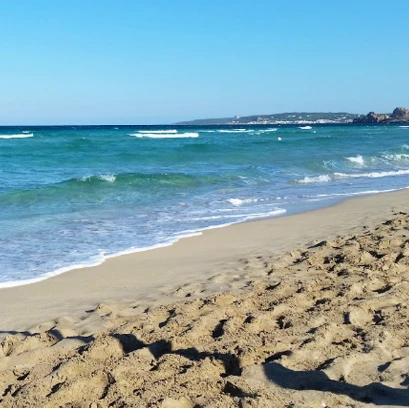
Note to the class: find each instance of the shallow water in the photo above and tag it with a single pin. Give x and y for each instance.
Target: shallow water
(73, 196)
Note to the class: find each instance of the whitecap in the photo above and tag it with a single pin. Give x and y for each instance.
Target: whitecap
(357, 160)
(17, 136)
(237, 202)
(110, 178)
(267, 130)
(396, 157)
(168, 131)
(305, 127)
(165, 135)
(235, 130)
(317, 179)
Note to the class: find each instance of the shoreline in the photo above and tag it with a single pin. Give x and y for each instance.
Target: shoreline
(153, 277)
(194, 233)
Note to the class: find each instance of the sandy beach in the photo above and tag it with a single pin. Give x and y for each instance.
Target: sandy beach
(308, 310)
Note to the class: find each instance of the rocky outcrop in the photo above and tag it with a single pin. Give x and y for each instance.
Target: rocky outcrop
(399, 115)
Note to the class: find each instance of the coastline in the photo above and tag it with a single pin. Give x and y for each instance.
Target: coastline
(306, 310)
(154, 277)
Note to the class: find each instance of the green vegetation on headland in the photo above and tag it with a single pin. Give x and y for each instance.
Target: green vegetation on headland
(398, 116)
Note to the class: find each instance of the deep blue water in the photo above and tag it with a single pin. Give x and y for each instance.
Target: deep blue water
(72, 196)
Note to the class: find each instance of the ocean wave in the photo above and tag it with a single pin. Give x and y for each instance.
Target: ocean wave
(165, 135)
(374, 174)
(237, 202)
(110, 178)
(93, 185)
(356, 160)
(396, 157)
(159, 132)
(267, 130)
(315, 179)
(305, 127)
(404, 127)
(235, 130)
(17, 136)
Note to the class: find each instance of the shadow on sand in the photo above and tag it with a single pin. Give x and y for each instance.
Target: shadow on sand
(375, 393)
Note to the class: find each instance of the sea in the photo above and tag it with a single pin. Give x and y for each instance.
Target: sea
(73, 196)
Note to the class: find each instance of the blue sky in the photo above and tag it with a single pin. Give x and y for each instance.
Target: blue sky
(160, 61)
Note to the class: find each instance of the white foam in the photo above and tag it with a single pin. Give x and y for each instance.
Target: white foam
(237, 202)
(305, 127)
(235, 130)
(159, 132)
(17, 136)
(374, 174)
(165, 135)
(357, 160)
(98, 260)
(104, 177)
(404, 127)
(357, 193)
(267, 130)
(10, 284)
(243, 217)
(396, 157)
(107, 177)
(317, 179)
(26, 131)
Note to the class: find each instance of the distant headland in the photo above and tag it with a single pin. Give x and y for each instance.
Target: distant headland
(398, 116)
(289, 118)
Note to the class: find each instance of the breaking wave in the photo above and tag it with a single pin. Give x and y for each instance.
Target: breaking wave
(159, 132)
(316, 179)
(165, 135)
(356, 160)
(17, 136)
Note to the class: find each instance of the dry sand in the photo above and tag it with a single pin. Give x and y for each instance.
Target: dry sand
(246, 320)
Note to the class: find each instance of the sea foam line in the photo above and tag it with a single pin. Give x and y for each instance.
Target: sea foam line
(164, 135)
(169, 131)
(235, 130)
(374, 174)
(98, 260)
(17, 136)
(368, 192)
(102, 257)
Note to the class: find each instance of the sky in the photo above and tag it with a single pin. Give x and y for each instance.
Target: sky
(161, 61)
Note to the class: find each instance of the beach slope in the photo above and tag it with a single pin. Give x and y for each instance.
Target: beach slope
(309, 311)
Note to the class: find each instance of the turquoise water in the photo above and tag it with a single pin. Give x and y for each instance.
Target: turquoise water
(73, 196)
